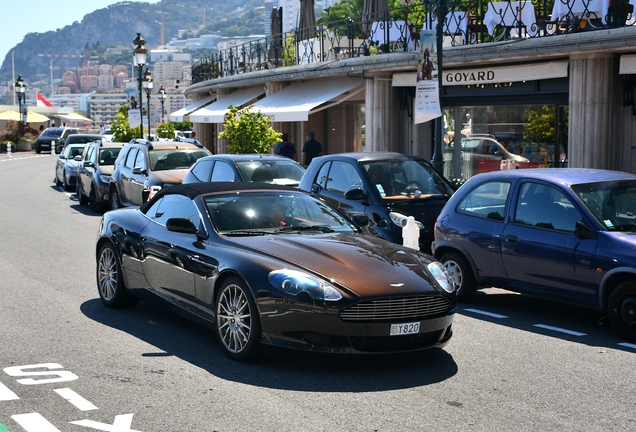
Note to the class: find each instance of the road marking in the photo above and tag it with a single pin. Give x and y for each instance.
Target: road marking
(34, 422)
(122, 423)
(75, 399)
(628, 345)
(481, 312)
(560, 330)
(3, 428)
(6, 394)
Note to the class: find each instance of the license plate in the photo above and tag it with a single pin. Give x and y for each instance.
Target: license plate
(405, 328)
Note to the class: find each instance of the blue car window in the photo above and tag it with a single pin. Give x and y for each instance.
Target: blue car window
(487, 201)
(543, 206)
(223, 172)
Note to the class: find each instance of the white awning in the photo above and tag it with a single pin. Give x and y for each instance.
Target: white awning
(628, 64)
(178, 115)
(295, 102)
(215, 113)
(491, 75)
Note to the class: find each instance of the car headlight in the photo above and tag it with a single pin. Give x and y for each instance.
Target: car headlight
(441, 276)
(71, 168)
(294, 282)
(104, 178)
(400, 220)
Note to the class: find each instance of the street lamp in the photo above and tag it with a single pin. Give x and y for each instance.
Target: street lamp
(139, 60)
(20, 91)
(162, 99)
(441, 9)
(148, 85)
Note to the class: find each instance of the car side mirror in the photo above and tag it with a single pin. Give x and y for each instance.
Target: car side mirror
(583, 231)
(61, 157)
(138, 170)
(315, 188)
(78, 158)
(181, 225)
(356, 194)
(88, 164)
(360, 219)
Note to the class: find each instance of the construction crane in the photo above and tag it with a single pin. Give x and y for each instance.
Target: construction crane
(163, 14)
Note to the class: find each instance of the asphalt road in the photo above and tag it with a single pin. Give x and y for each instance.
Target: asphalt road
(70, 364)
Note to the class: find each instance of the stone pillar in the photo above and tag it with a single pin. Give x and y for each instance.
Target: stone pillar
(594, 111)
(270, 89)
(220, 143)
(380, 109)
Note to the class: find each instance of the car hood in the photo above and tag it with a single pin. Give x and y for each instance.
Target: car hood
(170, 176)
(364, 264)
(107, 169)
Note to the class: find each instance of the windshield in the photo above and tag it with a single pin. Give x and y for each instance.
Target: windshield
(406, 179)
(173, 159)
(268, 213)
(52, 133)
(108, 156)
(283, 172)
(613, 203)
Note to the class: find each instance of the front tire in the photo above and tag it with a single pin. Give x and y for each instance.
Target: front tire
(458, 267)
(622, 310)
(110, 281)
(80, 195)
(93, 203)
(237, 322)
(114, 198)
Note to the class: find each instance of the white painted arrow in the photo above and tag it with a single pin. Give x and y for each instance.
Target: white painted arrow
(122, 423)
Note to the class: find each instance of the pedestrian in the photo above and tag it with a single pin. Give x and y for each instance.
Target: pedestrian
(193, 135)
(286, 148)
(41, 129)
(101, 128)
(311, 148)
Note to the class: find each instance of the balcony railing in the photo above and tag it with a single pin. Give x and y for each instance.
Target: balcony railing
(398, 30)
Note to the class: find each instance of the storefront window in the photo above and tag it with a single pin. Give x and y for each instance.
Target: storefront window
(491, 138)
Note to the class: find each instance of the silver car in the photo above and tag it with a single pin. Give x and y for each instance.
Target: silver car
(67, 166)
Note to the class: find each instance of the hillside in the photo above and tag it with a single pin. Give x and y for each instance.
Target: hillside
(116, 26)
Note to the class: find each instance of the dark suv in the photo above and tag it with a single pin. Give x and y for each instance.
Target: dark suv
(52, 137)
(78, 138)
(145, 167)
(386, 187)
(93, 179)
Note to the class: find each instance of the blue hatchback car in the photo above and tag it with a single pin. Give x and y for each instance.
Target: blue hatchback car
(563, 234)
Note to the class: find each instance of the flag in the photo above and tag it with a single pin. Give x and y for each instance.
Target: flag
(42, 102)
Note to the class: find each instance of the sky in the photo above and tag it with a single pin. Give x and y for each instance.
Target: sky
(39, 16)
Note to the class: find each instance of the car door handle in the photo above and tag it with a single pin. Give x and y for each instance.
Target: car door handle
(196, 259)
(511, 238)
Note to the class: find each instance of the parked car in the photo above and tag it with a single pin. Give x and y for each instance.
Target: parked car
(250, 168)
(144, 167)
(484, 153)
(269, 264)
(78, 138)
(51, 137)
(67, 166)
(108, 134)
(96, 167)
(560, 233)
(386, 187)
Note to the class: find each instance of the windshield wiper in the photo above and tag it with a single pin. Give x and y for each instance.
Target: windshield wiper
(246, 233)
(323, 228)
(625, 227)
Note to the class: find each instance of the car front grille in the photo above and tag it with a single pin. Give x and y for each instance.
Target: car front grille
(396, 308)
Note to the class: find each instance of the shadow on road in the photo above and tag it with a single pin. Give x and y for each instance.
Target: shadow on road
(280, 369)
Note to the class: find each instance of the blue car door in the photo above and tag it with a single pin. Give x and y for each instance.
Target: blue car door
(541, 253)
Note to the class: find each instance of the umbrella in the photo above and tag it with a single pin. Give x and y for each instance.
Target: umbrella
(306, 20)
(275, 41)
(75, 117)
(32, 117)
(373, 11)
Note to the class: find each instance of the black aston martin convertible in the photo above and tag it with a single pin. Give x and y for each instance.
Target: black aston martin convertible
(267, 264)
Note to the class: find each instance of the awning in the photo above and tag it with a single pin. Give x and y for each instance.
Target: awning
(628, 64)
(491, 75)
(74, 117)
(215, 113)
(178, 115)
(32, 117)
(297, 101)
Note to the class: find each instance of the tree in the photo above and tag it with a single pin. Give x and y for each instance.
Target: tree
(121, 126)
(248, 131)
(166, 130)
